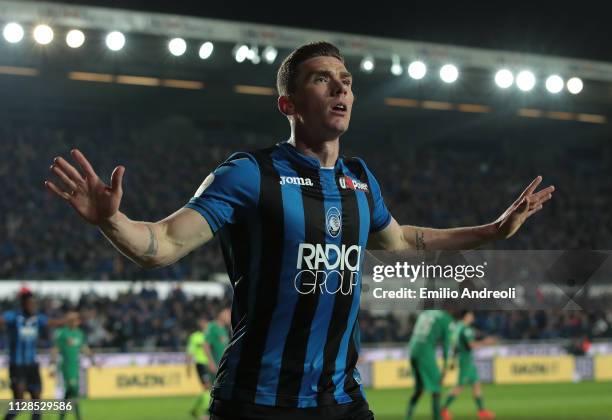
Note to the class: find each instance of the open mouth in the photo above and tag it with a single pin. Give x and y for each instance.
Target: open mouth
(339, 108)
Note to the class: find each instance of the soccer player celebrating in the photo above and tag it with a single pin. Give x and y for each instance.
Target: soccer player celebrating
(294, 220)
(431, 328)
(23, 328)
(69, 342)
(463, 342)
(198, 353)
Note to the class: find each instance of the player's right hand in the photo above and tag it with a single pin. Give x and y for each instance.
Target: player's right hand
(92, 199)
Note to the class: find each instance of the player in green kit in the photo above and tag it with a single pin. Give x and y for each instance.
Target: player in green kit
(217, 334)
(432, 328)
(463, 342)
(69, 342)
(198, 353)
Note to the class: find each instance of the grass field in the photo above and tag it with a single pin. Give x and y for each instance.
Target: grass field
(587, 400)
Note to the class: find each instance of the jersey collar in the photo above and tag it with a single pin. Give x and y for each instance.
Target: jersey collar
(308, 161)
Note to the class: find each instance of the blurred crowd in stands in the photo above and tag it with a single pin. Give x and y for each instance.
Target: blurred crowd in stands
(144, 321)
(133, 320)
(445, 185)
(506, 325)
(439, 186)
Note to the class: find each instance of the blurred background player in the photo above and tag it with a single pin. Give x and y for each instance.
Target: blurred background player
(69, 341)
(432, 328)
(198, 352)
(217, 334)
(23, 327)
(463, 341)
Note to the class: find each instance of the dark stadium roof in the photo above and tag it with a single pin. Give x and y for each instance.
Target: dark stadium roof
(146, 55)
(570, 30)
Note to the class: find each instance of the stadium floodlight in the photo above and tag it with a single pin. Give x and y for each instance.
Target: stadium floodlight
(449, 73)
(241, 53)
(206, 50)
(115, 41)
(396, 65)
(75, 38)
(525, 80)
(269, 54)
(177, 46)
(367, 64)
(504, 78)
(13, 32)
(575, 85)
(253, 55)
(43, 34)
(554, 84)
(417, 70)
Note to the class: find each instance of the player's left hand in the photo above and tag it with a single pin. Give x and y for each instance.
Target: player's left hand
(527, 204)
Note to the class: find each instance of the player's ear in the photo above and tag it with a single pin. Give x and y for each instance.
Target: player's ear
(285, 105)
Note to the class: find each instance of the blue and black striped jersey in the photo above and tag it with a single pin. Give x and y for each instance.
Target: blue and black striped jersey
(293, 236)
(23, 332)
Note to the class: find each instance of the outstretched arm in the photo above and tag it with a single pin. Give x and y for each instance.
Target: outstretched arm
(211, 362)
(395, 237)
(89, 353)
(157, 244)
(148, 244)
(57, 322)
(487, 341)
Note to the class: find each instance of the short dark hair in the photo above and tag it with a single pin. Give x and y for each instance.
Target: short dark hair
(463, 313)
(24, 295)
(288, 70)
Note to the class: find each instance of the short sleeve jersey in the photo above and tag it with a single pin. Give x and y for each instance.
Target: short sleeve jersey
(293, 235)
(23, 332)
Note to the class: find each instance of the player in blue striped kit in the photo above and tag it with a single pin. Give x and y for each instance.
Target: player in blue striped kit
(23, 328)
(294, 221)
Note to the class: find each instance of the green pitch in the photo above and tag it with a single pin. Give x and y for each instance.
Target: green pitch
(586, 400)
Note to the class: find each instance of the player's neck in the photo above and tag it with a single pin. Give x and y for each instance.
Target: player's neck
(326, 151)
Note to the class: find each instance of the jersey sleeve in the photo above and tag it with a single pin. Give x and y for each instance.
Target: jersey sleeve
(57, 337)
(43, 321)
(9, 317)
(381, 217)
(229, 192)
(189, 348)
(210, 333)
(468, 335)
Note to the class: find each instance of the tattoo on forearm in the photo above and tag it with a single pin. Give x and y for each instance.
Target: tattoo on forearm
(420, 240)
(152, 249)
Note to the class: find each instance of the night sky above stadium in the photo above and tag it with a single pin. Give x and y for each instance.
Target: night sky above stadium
(562, 31)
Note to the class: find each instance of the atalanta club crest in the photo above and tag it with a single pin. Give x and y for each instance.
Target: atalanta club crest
(333, 221)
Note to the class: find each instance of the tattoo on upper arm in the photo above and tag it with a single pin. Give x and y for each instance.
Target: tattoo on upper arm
(152, 249)
(420, 240)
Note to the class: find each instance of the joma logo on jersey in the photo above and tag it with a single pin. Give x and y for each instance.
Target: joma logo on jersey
(328, 268)
(346, 182)
(296, 180)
